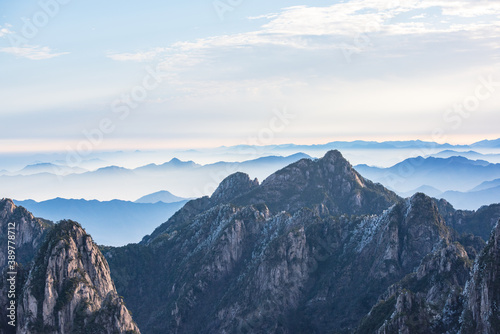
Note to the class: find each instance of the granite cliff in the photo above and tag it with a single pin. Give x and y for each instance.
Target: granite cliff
(63, 283)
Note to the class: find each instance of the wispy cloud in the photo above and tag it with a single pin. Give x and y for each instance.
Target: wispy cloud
(32, 52)
(140, 56)
(295, 41)
(315, 27)
(4, 31)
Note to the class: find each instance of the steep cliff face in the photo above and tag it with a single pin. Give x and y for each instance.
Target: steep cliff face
(26, 234)
(482, 294)
(425, 301)
(69, 288)
(376, 251)
(27, 231)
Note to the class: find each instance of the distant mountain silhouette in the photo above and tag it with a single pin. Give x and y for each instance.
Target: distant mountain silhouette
(184, 178)
(113, 223)
(428, 190)
(160, 196)
(472, 155)
(45, 167)
(454, 173)
(470, 200)
(487, 185)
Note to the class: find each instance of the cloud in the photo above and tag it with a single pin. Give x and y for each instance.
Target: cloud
(32, 52)
(300, 26)
(330, 27)
(420, 16)
(303, 44)
(5, 30)
(466, 9)
(141, 56)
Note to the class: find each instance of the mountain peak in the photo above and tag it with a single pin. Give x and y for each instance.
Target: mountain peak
(174, 161)
(329, 185)
(70, 287)
(232, 186)
(333, 155)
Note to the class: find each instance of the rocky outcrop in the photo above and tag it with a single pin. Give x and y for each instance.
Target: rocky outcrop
(329, 185)
(69, 288)
(237, 269)
(425, 301)
(482, 294)
(233, 186)
(27, 232)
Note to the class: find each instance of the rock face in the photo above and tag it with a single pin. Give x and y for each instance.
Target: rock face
(233, 186)
(69, 289)
(312, 249)
(330, 186)
(63, 284)
(482, 294)
(425, 301)
(28, 232)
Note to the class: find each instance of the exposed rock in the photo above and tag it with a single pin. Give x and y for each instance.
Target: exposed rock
(232, 186)
(479, 223)
(329, 185)
(69, 289)
(28, 232)
(482, 294)
(234, 269)
(426, 301)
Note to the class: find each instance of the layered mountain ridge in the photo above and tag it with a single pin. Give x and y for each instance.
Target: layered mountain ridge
(314, 248)
(310, 249)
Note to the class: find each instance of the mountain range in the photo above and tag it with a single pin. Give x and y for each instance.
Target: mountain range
(454, 173)
(314, 248)
(467, 184)
(38, 168)
(472, 155)
(181, 177)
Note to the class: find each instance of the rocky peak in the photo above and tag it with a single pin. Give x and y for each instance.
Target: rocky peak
(329, 185)
(233, 186)
(29, 231)
(482, 294)
(69, 288)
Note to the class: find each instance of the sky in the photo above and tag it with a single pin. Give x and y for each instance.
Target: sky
(100, 75)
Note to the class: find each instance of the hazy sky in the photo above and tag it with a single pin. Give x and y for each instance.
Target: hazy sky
(152, 74)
